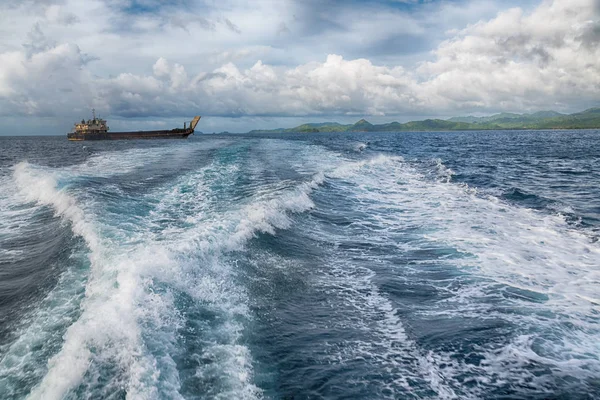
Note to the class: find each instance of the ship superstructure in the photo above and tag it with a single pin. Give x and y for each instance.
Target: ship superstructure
(91, 126)
(97, 129)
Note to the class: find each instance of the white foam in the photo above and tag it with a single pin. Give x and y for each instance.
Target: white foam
(185, 238)
(385, 346)
(394, 195)
(119, 296)
(120, 162)
(544, 255)
(39, 330)
(118, 293)
(501, 245)
(108, 321)
(40, 187)
(216, 225)
(360, 146)
(13, 214)
(264, 212)
(444, 173)
(504, 244)
(389, 348)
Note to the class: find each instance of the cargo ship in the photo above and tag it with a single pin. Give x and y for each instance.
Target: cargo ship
(97, 129)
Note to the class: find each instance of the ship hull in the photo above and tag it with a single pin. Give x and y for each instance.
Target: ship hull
(171, 134)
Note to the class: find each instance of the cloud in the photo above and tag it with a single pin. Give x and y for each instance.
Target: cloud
(520, 61)
(590, 37)
(233, 27)
(282, 29)
(547, 57)
(37, 41)
(43, 83)
(56, 14)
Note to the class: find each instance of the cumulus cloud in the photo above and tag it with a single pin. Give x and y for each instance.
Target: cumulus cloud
(58, 15)
(518, 60)
(336, 86)
(44, 83)
(44, 78)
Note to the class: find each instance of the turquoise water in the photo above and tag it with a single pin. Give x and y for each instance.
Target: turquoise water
(367, 266)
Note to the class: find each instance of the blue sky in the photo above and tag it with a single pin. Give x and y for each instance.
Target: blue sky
(272, 63)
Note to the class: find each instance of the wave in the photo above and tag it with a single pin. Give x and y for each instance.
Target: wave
(40, 187)
(536, 261)
(121, 162)
(165, 310)
(200, 230)
(360, 147)
(118, 304)
(132, 310)
(483, 224)
(526, 278)
(108, 317)
(384, 343)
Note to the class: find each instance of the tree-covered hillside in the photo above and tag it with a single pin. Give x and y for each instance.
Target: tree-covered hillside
(588, 119)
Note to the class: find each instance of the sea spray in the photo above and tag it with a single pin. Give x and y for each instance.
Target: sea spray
(297, 266)
(108, 321)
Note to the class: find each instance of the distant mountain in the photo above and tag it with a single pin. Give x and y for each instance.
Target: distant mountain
(362, 126)
(308, 128)
(479, 120)
(508, 117)
(588, 119)
(546, 114)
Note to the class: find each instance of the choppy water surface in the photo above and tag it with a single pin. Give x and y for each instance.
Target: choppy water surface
(367, 266)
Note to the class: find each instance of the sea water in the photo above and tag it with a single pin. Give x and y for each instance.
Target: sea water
(452, 265)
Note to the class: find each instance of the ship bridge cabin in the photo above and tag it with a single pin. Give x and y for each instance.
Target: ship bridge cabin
(91, 125)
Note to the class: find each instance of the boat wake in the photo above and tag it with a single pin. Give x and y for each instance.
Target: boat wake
(269, 268)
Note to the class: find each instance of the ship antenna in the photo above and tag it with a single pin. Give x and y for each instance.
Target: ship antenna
(94, 113)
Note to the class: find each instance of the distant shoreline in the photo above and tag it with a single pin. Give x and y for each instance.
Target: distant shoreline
(543, 120)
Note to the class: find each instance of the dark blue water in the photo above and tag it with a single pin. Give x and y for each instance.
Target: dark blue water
(363, 266)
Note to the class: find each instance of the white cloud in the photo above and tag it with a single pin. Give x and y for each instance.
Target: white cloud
(44, 82)
(57, 14)
(519, 60)
(336, 86)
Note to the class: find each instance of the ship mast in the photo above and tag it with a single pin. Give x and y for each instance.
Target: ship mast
(94, 113)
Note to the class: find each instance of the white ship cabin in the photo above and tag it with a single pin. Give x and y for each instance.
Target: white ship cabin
(91, 125)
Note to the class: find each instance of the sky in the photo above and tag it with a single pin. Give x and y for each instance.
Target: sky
(278, 63)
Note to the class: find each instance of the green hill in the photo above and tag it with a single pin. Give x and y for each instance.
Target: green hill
(481, 120)
(308, 128)
(508, 118)
(435, 125)
(362, 126)
(588, 119)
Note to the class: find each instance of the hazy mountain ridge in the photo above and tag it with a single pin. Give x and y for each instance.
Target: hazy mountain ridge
(588, 119)
(508, 116)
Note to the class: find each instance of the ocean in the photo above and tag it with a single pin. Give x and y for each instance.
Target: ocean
(446, 265)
